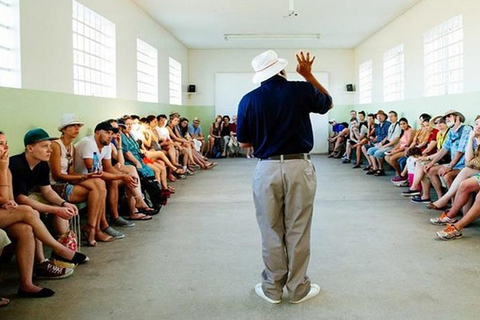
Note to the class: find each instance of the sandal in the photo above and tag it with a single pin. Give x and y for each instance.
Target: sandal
(146, 210)
(102, 236)
(140, 216)
(432, 206)
(178, 170)
(88, 232)
(171, 178)
(4, 302)
(171, 189)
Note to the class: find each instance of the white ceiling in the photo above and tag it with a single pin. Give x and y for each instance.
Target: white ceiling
(201, 24)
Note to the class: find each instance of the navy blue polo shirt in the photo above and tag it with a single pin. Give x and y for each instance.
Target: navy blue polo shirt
(275, 117)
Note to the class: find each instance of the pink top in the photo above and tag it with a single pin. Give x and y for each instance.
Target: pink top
(405, 138)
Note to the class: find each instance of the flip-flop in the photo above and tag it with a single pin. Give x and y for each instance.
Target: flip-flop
(146, 210)
(142, 218)
(432, 206)
(4, 302)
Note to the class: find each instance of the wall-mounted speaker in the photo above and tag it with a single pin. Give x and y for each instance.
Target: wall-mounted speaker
(192, 88)
(350, 87)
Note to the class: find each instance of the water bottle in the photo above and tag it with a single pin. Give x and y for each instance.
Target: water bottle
(96, 163)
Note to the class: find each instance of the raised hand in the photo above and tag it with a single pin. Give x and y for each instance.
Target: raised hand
(304, 66)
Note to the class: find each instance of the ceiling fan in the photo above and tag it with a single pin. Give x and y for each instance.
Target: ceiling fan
(291, 9)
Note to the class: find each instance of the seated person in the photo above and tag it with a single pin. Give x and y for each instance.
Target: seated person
(340, 142)
(392, 157)
(4, 241)
(409, 170)
(100, 145)
(233, 147)
(454, 228)
(23, 225)
(442, 131)
(368, 141)
(182, 131)
(214, 137)
(134, 156)
(456, 144)
(381, 132)
(74, 187)
(139, 210)
(225, 133)
(195, 132)
(357, 134)
(472, 167)
(165, 142)
(376, 154)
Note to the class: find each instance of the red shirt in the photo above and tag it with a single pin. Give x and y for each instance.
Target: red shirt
(432, 137)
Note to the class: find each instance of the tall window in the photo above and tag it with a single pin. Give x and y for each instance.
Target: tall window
(147, 74)
(93, 53)
(365, 82)
(10, 72)
(175, 68)
(443, 56)
(393, 74)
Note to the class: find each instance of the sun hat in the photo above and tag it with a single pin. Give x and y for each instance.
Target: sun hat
(436, 118)
(380, 112)
(266, 65)
(449, 112)
(68, 119)
(196, 119)
(331, 121)
(36, 135)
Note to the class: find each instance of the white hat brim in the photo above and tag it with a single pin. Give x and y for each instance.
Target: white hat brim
(270, 71)
(60, 128)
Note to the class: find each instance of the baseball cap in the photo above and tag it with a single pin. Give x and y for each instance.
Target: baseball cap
(36, 135)
(105, 125)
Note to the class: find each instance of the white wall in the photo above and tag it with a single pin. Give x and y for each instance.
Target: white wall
(409, 29)
(205, 63)
(46, 45)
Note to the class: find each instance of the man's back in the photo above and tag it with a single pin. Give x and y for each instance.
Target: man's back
(275, 117)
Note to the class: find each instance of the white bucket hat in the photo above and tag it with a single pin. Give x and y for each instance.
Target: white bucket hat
(68, 120)
(266, 65)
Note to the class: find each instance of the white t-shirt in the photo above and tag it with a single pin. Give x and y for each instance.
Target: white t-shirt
(163, 133)
(411, 161)
(85, 148)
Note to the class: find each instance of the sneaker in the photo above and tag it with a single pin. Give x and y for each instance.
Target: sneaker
(48, 271)
(411, 193)
(449, 233)
(314, 290)
(121, 222)
(419, 200)
(261, 294)
(398, 179)
(443, 220)
(402, 184)
(114, 233)
(78, 258)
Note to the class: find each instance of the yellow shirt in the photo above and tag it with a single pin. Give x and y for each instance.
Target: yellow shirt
(441, 137)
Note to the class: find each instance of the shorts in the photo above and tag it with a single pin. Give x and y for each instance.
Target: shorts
(63, 189)
(377, 153)
(4, 240)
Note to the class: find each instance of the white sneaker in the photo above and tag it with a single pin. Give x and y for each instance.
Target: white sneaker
(261, 294)
(314, 290)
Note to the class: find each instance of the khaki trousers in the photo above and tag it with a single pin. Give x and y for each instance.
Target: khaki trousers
(283, 193)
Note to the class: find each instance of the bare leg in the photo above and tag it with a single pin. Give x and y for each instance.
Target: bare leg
(463, 194)
(23, 236)
(463, 175)
(471, 215)
(113, 198)
(26, 215)
(435, 179)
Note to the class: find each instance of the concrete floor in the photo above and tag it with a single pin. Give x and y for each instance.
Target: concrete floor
(374, 254)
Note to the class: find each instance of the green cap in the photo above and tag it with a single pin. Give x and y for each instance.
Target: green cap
(36, 135)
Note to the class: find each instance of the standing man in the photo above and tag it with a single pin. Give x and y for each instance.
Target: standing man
(274, 119)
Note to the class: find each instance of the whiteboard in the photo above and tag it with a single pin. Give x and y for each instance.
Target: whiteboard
(231, 87)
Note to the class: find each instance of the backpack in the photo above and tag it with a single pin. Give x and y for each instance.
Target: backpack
(154, 196)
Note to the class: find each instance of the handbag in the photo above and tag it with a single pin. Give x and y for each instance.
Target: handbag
(69, 240)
